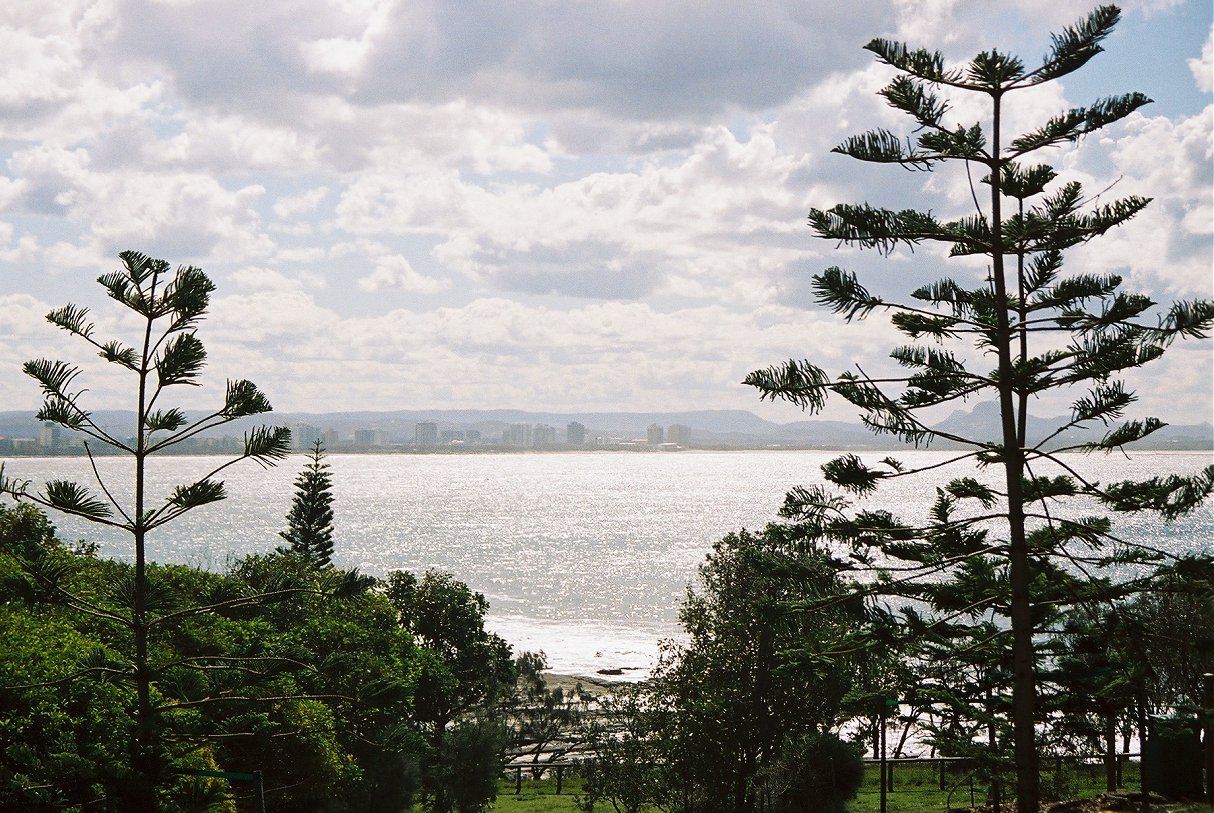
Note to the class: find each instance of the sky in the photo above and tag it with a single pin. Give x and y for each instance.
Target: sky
(568, 206)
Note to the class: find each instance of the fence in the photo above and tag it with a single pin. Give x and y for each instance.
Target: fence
(949, 783)
(925, 784)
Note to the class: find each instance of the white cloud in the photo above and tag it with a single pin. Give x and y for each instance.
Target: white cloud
(290, 206)
(582, 204)
(1168, 245)
(394, 271)
(1203, 68)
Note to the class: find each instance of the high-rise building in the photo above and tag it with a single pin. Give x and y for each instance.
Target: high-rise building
(679, 434)
(656, 434)
(49, 437)
(543, 435)
(303, 436)
(575, 434)
(425, 433)
(368, 437)
(517, 434)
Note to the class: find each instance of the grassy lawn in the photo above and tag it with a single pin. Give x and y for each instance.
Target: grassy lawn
(916, 789)
(538, 797)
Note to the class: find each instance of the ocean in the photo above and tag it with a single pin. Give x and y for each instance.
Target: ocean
(584, 555)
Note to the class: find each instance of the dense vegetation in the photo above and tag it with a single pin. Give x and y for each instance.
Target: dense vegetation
(343, 701)
(1000, 563)
(747, 713)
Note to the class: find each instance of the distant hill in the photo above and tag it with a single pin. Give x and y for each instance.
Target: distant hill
(724, 428)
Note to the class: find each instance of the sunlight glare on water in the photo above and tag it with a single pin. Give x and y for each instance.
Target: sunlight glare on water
(584, 555)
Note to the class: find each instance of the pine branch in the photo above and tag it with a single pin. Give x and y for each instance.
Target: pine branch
(73, 319)
(1171, 496)
(797, 382)
(842, 292)
(883, 147)
(182, 360)
(1071, 49)
(1078, 122)
(927, 65)
(881, 229)
(993, 70)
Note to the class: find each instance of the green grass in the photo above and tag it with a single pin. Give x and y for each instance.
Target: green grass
(537, 796)
(916, 787)
(916, 790)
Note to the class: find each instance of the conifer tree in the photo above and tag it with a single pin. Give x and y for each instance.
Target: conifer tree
(310, 520)
(1001, 555)
(166, 353)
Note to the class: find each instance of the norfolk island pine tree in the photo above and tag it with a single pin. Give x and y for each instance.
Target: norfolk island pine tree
(167, 353)
(1003, 546)
(310, 520)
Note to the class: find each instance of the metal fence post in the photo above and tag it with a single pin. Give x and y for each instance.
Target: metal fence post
(1209, 736)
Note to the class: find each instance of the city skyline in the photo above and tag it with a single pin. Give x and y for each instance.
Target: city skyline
(571, 207)
(511, 430)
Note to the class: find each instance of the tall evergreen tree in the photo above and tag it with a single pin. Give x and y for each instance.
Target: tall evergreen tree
(310, 520)
(995, 552)
(166, 353)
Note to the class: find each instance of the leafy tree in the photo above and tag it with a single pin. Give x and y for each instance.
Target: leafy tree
(321, 702)
(310, 520)
(166, 353)
(731, 718)
(1093, 684)
(468, 766)
(345, 729)
(464, 675)
(1174, 624)
(544, 721)
(630, 770)
(995, 551)
(58, 744)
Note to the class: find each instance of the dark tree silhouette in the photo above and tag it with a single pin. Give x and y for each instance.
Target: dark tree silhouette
(310, 521)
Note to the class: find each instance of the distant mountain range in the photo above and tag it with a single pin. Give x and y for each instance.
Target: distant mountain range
(718, 428)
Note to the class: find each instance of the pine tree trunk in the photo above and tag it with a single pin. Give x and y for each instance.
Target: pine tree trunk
(144, 757)
(1023, 680)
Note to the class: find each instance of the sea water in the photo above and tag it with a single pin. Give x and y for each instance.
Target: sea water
(584, 555)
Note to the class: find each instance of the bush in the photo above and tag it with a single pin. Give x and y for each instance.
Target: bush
(817, 774)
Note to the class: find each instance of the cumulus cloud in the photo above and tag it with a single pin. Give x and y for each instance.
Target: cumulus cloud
(394, 272)
(289, 206)
(575, 205)
(1203, 67)
(1168, 245)
(674, 59)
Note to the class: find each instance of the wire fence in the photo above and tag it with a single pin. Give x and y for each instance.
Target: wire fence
(912, 785)
(952, 783)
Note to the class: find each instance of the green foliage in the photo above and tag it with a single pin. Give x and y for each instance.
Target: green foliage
(448, 620)
(136, 612)
(468, 766)
(316, 692)
(541, 720)
(464, 674)
(994, 566)
(629, 770)
(310, 520)
(759, 683)
(815, 773)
